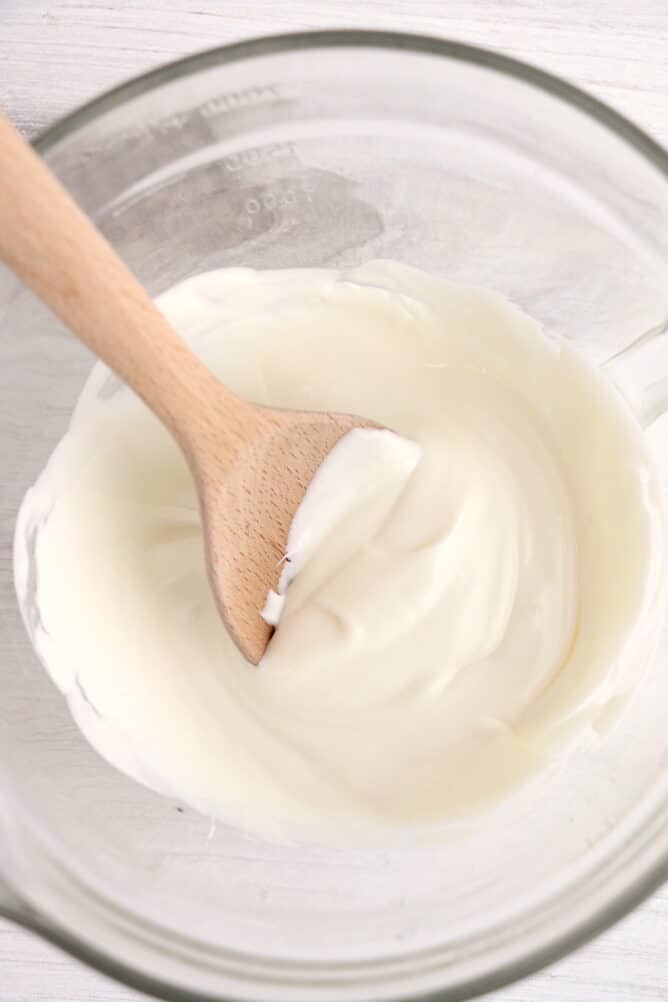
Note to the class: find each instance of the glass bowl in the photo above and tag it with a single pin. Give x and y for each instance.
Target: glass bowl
(329, 149)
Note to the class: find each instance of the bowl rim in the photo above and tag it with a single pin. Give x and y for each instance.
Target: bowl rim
(263, 45)
(606, 913)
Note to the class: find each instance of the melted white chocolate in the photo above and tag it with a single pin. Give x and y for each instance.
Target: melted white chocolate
(468, 601)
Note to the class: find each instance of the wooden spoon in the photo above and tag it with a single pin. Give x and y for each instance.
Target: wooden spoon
(251, 465)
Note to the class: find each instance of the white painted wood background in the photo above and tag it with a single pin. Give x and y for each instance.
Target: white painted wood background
(54, 54)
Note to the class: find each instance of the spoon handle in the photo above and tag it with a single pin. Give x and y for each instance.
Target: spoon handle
(54, 248)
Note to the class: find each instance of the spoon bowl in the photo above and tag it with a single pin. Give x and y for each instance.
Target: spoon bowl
(247, 514)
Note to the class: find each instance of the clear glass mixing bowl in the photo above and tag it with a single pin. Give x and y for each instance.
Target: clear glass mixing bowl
(321, 149)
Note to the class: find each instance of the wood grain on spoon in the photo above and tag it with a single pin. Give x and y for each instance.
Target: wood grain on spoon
(251, 465)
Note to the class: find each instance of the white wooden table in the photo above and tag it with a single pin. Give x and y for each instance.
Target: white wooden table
(54, 54)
